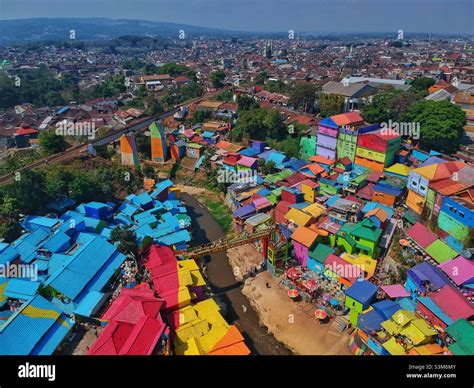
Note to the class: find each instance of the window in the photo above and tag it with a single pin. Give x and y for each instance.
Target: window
(461, 214)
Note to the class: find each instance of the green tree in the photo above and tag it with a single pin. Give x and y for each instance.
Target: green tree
(217, 77)
(304, 96)
(51, 143)
(422, 84)
(28, 191)
(392, 105)
(261, 78)
(127, 240)
(245, 102)
(10, 230)
(331, 104)
(441, 124)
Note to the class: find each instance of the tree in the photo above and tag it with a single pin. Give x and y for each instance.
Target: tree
(28, 192)
(261, 78)
(127, 240)
(268, 167)
(57, 181)
(260, 123)
(10, 230)
(391, 105)
(331, 104)
(441, 124)
(144, 145)
(422, 84)
(51, 143)
(245, 102)
(303, 96)
(217, 77)
(82, 188)
(149, 171)
(199, 116)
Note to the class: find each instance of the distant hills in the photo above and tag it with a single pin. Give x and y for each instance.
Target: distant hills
(24, 30)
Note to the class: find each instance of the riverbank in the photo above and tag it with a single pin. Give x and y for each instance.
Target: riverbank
(227, 291)
(292, 323)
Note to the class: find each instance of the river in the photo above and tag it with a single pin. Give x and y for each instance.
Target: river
(227, 290)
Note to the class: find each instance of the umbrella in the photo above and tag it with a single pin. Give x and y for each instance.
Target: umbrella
(320, 314)
(326, 296)
(293, 293)
(404, 243)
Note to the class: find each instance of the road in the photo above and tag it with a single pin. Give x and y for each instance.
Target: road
(227, 289)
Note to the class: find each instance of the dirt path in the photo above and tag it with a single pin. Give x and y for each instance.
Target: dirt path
(287, 321)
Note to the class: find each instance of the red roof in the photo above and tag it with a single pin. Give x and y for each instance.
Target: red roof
(453, 303)
(422, 235)
(26, 131)
(135, 324)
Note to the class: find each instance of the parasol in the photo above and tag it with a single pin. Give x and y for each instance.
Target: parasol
(320, 314)
(404, 243)
(293, 294)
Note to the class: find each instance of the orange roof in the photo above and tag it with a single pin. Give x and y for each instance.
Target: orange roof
(304, 236)
(381, 214)
(437, 171)
(232, 344)
(315, 168)
(321, 159)
(223, 145)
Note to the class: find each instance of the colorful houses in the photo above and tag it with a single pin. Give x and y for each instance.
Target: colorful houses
(358, 298)
(377, 150)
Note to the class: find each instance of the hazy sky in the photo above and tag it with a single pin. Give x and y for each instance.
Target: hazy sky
(267, 15)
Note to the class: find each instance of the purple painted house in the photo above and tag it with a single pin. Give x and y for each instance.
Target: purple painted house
(327, 138)
(303, 240)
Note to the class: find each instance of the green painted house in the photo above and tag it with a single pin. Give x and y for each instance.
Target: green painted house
(362, 237)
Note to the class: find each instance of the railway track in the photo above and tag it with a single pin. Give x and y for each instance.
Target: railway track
(106, 139)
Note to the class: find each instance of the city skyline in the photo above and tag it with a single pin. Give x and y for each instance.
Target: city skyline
(302, 16)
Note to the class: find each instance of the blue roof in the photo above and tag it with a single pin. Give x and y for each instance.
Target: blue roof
(84, 263)
(36, 328)
(143, 199)
(128, 209)
(386, 189)
(58, 242)
(161, 186)
(363, 291)
(8, 253)
(426, 272)
(329, 123)
(28, 243)
(31, 223)
(370, 321)
(208, 134)
(175, 238)
(21, 288)
(249, 152)
(386, 308)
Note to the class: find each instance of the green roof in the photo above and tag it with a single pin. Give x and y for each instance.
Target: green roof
(320, 252)
(366, 230)
(441, 252)
(463, 333)
(272, 178)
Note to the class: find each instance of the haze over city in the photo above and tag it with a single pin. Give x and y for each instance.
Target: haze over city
(319, 16)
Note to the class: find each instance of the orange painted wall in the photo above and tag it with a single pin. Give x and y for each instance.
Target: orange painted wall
(415, 202)
(376, 166)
